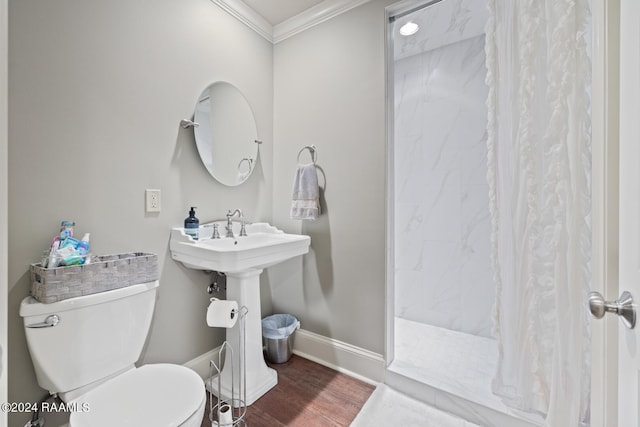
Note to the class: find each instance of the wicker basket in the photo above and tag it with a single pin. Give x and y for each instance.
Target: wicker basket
(104, 273)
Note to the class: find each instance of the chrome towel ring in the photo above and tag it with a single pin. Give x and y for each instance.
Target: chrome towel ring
(312, 150)
(248, 160)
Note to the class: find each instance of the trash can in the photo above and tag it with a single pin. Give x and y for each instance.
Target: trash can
(277, 336)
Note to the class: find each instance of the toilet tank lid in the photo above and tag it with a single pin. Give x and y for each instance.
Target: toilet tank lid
(32, 307)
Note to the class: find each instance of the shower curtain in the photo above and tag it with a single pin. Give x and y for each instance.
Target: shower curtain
(538, 73)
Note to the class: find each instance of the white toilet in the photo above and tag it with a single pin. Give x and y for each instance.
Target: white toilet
(88, 359)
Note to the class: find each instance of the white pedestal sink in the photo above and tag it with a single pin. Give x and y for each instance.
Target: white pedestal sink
(242, 259)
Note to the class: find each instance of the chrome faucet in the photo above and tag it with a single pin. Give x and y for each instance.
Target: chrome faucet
(231, 214)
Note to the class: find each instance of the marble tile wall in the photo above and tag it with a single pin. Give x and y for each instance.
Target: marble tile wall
(443, 274)
(441, 24)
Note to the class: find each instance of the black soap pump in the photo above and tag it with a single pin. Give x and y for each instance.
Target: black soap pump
(192, 224)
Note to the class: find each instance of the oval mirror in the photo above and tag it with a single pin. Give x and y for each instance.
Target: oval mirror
(226, 133)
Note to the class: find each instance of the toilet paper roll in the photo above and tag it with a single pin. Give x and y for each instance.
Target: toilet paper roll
(225, 415)
(222, 313)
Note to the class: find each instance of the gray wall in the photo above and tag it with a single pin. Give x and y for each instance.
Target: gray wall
(97, 91)
(330, 91)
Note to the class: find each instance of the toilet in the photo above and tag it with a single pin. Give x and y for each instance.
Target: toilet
(84, 349)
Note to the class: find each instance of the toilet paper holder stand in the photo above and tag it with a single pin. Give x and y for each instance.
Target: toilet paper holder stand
(230, 410)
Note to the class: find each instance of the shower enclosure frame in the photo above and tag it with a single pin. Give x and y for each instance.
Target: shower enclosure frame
(401, 379)
(604, 215)
(392, 12)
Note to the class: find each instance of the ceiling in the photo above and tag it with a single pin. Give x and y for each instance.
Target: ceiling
(277, 11)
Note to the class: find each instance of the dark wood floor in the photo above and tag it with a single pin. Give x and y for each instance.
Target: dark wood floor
(307, 395)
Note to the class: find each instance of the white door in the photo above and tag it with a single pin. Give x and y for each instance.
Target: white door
(629, 339)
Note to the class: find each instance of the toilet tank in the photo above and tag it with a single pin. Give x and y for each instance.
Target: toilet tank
(97, 335)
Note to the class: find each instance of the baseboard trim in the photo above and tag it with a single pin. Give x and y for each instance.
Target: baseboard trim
(345, 358)
(348, 359)
(201, 363)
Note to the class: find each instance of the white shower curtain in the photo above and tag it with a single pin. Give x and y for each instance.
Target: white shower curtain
(538, 73)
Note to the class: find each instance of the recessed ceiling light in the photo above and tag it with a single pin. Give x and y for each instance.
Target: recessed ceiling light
(409, 28)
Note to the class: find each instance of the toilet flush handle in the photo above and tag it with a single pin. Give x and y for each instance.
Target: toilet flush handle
(49, 322)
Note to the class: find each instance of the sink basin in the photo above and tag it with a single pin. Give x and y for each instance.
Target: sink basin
(263, 246)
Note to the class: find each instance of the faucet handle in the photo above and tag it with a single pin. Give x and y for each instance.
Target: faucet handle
(216, 234)
(243, 230)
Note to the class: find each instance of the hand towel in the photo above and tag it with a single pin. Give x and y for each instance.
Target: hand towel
(306, 194)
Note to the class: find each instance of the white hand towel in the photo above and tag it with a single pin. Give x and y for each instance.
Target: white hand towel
(306, 194)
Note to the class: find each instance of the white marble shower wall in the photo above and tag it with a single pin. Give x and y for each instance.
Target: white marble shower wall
(443, 274)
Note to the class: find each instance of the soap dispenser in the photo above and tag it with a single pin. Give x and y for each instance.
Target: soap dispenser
(192, 224)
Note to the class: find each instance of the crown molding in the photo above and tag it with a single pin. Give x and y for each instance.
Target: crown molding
(294, 25)
(313, 16)
(247, 16)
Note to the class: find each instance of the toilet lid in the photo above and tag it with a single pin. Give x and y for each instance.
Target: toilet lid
(152, 395)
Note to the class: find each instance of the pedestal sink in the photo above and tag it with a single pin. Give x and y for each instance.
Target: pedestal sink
(242, 259)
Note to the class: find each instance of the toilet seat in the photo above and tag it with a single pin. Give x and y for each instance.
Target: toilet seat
(152, 395)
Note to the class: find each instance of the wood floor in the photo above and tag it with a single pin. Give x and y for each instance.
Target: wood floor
(307, 395)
